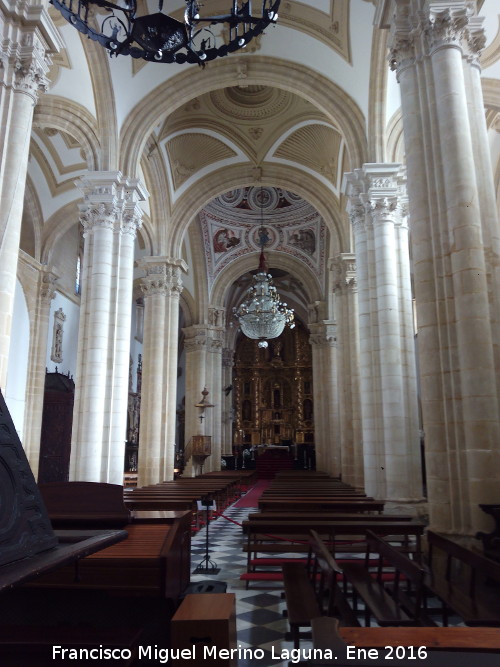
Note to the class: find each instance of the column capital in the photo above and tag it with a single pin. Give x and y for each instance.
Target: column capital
(111, 201)
(26, 47)
(163, 275)
(375, 192)
(343, 268)
(196, 337)
(323, 335)
(47, 286)
(441, 24)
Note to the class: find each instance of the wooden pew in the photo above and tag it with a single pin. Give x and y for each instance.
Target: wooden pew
(299, 504)
(311, 590)
(466, 582)
(272, 538)
(403, 603)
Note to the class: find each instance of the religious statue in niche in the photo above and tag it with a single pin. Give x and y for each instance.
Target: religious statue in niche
(225, 239)
(57, 336)
(303, 239)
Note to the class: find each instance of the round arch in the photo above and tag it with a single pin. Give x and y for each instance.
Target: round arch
(73, 119)
(296, 78)
(228, 178)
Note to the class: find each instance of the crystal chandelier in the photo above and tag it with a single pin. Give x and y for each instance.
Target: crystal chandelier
(262, 315)
(124, 27)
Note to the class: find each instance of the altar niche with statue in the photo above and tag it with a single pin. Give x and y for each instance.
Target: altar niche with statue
(273, 392)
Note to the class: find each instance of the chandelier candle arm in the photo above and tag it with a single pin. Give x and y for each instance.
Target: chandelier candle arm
(159, 37)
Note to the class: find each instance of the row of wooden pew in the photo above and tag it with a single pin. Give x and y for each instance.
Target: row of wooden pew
(308, 538)
(222, 487)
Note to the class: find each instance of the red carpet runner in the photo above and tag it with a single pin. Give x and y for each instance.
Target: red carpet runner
(251, 498)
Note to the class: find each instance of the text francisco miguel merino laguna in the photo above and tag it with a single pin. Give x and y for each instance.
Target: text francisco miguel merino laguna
(202, 652)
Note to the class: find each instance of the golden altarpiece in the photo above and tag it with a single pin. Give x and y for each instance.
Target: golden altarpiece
(273, 393)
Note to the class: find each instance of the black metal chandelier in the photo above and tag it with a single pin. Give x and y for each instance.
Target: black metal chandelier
(126, 28)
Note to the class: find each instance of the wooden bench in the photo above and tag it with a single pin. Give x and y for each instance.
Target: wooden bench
(290, 536)
(465, 581)
(327, 633)
(403, 604)
(311, 590)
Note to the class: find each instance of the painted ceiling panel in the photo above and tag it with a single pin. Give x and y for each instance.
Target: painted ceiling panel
(314, 146)
(188, 153)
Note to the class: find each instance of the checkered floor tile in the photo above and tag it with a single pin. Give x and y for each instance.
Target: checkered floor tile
(260, 623)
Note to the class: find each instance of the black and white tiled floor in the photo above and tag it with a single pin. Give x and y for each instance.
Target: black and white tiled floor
(259, 611)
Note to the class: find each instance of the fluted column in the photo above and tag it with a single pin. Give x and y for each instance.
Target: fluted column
(161, 287)
(35, 386)
(110, 216)
(350, 433)
(454, 234)
(389, 404)
(26, 41)
(323, 340)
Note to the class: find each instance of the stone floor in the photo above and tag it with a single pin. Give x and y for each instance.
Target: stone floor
(259, 611)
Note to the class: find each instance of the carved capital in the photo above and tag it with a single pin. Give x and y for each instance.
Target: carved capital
(444, 28)
(101, 216)
(47, 287)
(401, 53)
(343, 268)
(323, 335)
(30, 78)
(163, 275)
(153, 287)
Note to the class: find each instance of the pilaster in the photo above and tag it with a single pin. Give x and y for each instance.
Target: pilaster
(323, 340)
(161, 287)
(344, 285)
(35, 386)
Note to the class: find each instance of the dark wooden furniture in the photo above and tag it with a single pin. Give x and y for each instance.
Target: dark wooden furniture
(301, 504)
(153, 561)
(30, 547)
(205, 620)
(388, 582)
(312, 591)
(85, 504)
(466, 581)
(57, 422)
(491, 541)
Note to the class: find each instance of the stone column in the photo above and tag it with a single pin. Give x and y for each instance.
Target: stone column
(35, 386)
(161, 287)
(195, 345)
(27, 37)
(203, 345)
(110, 216)
(351, 440)
(323, 340)
(454, 234)
(389, 389)
(228, 402)
(214, 385)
